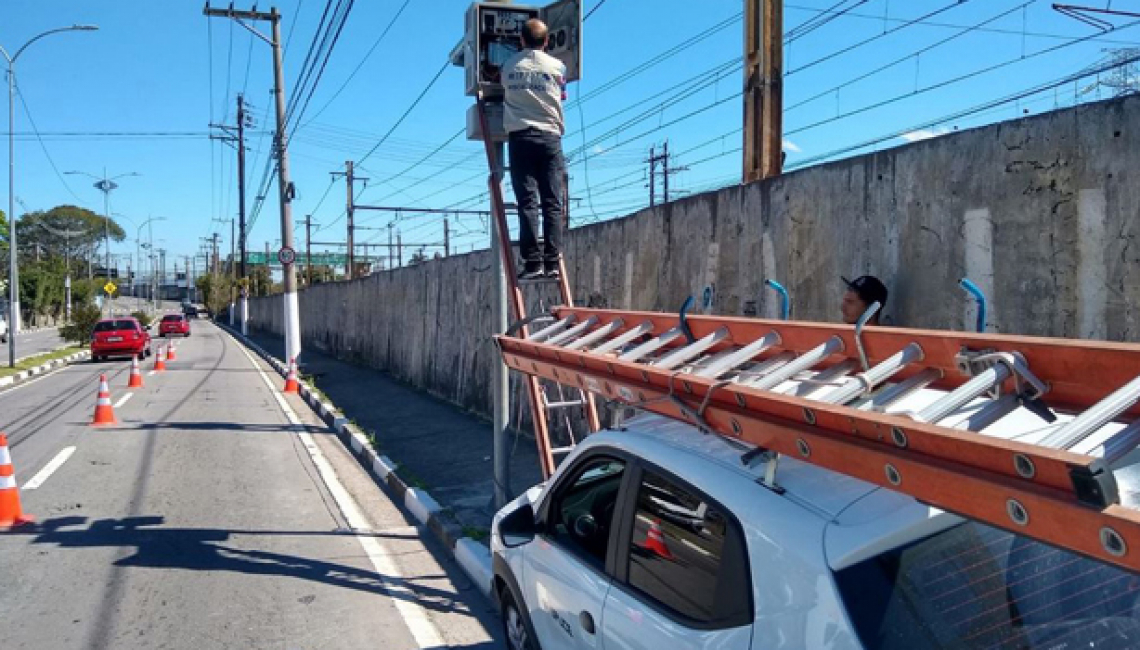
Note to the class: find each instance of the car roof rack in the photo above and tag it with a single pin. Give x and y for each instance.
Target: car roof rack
(1023, 433)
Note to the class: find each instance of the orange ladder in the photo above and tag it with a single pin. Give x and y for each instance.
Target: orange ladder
(1024, 433)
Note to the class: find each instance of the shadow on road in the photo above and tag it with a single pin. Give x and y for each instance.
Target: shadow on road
(204, 549)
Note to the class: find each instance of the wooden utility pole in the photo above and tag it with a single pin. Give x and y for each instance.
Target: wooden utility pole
(763, 88)
(241, 182)
(350, 178)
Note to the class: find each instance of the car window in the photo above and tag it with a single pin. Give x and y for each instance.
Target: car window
(582, 516)
(974, 586)
(113, 325)
(171, 318)
(687, 556)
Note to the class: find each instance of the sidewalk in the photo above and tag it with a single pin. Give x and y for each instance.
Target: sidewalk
(438, 447)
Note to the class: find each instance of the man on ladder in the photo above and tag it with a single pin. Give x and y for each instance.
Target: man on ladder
(534, 84)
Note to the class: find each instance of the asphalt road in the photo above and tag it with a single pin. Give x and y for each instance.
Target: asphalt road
(217, 514)
(29, 344)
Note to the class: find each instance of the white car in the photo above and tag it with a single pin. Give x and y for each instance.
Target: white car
(659, 537)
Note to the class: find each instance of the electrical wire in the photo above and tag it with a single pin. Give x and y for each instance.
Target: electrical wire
(47, 154)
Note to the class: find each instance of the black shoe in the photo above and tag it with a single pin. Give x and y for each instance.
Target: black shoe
(535, 274)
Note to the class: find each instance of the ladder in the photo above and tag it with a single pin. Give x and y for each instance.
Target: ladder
(541, 404)
(1033, 435)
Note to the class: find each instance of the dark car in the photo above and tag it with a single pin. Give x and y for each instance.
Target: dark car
(189, 310)
(119, 337)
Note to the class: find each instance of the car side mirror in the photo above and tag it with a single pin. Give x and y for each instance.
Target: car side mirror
(519, 527)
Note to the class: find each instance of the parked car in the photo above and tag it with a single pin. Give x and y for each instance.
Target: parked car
(608, 553)
(119, 337)
(172, 324)
(189, 310)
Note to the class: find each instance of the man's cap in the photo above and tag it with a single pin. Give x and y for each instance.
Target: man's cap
(869, 289)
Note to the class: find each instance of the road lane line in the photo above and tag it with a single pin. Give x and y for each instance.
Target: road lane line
(123, 399)
(406, 601)
(50, 468)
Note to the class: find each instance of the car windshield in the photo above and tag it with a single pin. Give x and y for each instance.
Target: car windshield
(973, 586)
(114, 325)
(171, 319)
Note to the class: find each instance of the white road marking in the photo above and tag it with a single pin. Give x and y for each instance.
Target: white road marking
(123, 399)
(50, 468)
(421, 626)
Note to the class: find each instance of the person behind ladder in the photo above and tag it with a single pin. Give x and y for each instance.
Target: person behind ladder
(862, 292)
(534, 84)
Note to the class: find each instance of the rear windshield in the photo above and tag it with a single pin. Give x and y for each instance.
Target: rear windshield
(170, 319)
(973, 586)
(113, 325)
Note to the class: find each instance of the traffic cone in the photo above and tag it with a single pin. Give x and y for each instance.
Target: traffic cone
(160, 360)
(170, 350)
(136, 376)
(655, 541)
(104, 412)
(10, 513)
(291, 385)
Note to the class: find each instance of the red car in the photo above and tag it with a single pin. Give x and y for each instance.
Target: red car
(119, 337)
(172, 324)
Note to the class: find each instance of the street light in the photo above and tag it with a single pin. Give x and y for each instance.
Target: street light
(150, 239)
(105, 185)
(13, 274)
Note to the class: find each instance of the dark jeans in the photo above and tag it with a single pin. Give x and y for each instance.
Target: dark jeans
(537, 169)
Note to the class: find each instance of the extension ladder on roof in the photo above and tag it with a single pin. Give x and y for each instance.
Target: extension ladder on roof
(1033, 435)
(542, 404)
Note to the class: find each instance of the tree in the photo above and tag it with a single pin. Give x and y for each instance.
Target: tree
(67, 231)
(215, 291)
(3, 228)
(417, 257)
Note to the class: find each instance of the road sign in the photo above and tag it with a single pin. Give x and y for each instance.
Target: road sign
(286, 255)
(109, 287)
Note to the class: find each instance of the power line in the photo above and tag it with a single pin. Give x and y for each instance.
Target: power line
(47, 154)
(407, 112)
(320, 73)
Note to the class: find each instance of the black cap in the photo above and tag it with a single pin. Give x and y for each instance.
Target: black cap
(869, 289)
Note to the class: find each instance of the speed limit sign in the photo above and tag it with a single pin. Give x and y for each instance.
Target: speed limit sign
(286, 255)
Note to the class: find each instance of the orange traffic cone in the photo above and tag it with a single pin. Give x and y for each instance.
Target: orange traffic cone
(160, 360)
(10, 513)
(170, 351)
(136, 375)
(291, 385)
(104, 412)
(655, 541)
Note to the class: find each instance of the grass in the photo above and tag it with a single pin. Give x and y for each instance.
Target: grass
(410, 478)
(39, 359)
(476, 533)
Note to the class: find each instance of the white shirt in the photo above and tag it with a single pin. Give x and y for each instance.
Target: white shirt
(534, 83)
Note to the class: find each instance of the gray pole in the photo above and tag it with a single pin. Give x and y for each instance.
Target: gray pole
(500, 385)
(292, 311)
(13, 272)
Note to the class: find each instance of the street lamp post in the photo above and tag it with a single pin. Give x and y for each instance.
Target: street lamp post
(150, 238)
(105, 185)
(13, 273)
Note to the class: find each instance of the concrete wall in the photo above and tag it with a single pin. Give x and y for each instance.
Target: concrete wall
(1043, 213)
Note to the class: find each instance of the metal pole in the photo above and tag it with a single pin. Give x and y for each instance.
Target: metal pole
(399, 249)
(446, 238)
(13, 271)
(500, 386)
(665, 170)
(350, 260)
(309, 249)
(652, 177)
(244, 290)
(292, 310)
(391, 250)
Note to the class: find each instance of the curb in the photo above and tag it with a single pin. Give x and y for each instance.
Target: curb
(50, 366)
(471, 555)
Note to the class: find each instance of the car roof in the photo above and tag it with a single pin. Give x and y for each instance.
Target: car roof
(119, 318)
(862, 519)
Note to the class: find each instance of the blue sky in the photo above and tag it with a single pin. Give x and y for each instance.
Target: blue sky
(163, 68)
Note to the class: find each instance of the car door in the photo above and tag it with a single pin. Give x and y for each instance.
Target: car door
(567, 564)
(682, 578)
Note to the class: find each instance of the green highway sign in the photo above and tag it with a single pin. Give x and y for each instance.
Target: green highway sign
(319, 259)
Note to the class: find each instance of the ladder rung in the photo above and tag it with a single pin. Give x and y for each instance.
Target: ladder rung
(990, 412)
(740, 357)
(691, 351)
(620, 341)
(764, 367)
(566, 404)
(550, 330)
(562, 450)
(825, 380)
(595, 336)
(801, 363)
(1097, 416)
(651, 346)
(559, 339)
(866, 382)
(883, 399)
(1121, 443)
(960, 396)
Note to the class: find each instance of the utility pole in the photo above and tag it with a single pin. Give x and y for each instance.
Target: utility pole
(652, 176)
(763, 88)
(309, 249)
(350, 177)
(391, 250)
(666, 171)
(285, 188)
(399, 249)
(446, 238)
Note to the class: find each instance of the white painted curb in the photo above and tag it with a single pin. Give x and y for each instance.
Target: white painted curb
(420, 504)
(475, 559)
